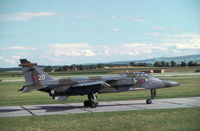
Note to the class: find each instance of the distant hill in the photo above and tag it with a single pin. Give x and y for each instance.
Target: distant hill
(195, 58)
(10, 69)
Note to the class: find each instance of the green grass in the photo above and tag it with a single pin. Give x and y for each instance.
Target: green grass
(9, 95)
(157, 120)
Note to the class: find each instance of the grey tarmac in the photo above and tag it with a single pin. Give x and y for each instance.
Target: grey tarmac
(69, 108)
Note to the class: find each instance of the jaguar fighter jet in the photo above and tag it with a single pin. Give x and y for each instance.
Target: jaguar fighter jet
(61, 89)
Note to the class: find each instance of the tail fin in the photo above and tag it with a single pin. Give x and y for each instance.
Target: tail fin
(33, 75)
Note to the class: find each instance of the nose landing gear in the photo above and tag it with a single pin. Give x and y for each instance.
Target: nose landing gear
(153, 95)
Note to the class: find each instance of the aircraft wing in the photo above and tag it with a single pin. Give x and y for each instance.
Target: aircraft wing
(87, 87)
(93, 83)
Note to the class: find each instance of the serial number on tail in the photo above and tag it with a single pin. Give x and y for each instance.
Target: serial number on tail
(41, 77)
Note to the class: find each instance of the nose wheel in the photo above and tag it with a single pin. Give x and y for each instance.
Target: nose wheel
(148, 101)
(92, 101)
(153, 95)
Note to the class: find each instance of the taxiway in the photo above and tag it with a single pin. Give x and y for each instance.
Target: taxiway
(50, 109)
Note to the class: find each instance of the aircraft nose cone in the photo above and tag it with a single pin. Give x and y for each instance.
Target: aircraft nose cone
(170, 83)
(173, 83)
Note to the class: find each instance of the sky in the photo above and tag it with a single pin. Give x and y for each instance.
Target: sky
(65, 32)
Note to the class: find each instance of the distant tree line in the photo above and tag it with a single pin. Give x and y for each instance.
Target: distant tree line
(73, 67)
(101, 65)
(137, 64)
(174, 64)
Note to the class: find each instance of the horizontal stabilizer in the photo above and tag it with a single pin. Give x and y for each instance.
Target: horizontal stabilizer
(30, 89)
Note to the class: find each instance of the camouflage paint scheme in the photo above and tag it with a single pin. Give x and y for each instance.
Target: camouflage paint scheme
(37, 80)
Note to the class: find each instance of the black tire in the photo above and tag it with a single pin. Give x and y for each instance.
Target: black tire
(86, 103)
(148, 101)
(93, 105)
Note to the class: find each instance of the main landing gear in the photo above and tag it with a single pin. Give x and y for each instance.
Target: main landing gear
(92, 100)
(153, 95)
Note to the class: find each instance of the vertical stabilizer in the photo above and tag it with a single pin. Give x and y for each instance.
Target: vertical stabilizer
(32, 74)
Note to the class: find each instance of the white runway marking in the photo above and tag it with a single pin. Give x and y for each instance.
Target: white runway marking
(50, 109)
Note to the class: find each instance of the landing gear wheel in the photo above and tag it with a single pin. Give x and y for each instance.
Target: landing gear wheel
(93, 104)
(148, 101)
(86, 103)
(153, 95)
(92, 100)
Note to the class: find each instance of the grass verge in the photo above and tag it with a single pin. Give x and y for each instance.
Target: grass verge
(157, 120)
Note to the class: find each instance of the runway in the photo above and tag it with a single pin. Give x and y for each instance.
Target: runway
(50, 109)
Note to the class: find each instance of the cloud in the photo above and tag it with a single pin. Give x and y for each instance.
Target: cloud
(76, 15)
(82, 16)
(139, 48)
(160, 28)
(46, 56)
(18, 48)
(73, 49)
(189, 41)
(9, 61)
(153, 33)
(115, 29)
(169, 45)
(163, 28)
(181, 44)
(88, 53)
(112, 16)
(128, 49)
(129, 16)
(25, 16)
(87, 50)
(177, 30)
(137, 19)
(16, 57)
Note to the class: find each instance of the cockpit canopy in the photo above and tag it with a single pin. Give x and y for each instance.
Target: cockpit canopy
(142, 74)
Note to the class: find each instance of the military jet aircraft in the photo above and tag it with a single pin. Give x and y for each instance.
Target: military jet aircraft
(61, 89)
